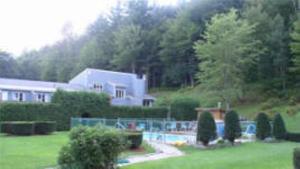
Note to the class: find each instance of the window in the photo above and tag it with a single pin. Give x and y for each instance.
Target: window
(19, 97)
(120, 93)
(97, 87)
(41, 97)
(147, 103)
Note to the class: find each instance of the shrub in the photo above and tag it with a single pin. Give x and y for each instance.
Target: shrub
(263, 127)
(295, 137)
(66, 159)
(21, 128)
(92, 148)
(5, 127)
(135, 139)
(44, 127)
(184, 108)
(279, 130)
(269, 104)
(206, 128)
(232, 126)
(297, 158)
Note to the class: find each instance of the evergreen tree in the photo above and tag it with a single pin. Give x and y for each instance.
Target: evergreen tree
(279, 130)
(206, 128)
(129, 45)
(232, 126)
(263, 126)
(295, 48)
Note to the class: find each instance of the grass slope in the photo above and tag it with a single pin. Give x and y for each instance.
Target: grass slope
(246, 156)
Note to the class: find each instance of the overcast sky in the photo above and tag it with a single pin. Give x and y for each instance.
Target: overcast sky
(30, 24)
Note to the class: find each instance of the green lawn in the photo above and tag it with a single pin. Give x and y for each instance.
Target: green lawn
(246, 156)
(30, 152)
(38, 152)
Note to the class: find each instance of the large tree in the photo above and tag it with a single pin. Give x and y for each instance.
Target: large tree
(8, 65)
(225, 55)
(295, 48)
(129, 45)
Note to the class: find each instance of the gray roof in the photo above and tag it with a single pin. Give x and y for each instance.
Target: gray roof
(33, 85)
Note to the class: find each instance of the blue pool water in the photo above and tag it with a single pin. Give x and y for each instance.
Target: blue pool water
(165, 137)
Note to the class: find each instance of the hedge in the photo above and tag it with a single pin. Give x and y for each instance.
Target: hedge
(21, 128)
(27, 127)
(295, 137)
(44, 127)
(135, 139)
(66, 105)
(5, 127)
(297, 158)
(33, 112)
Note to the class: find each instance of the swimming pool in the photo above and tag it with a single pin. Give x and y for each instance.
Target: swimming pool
(168, 138)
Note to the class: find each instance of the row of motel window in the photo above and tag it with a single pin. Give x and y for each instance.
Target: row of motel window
(120, 93)
(19, 96)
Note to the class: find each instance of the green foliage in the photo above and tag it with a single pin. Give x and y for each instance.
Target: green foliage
(134, 112)
(232, 126)
(5, 127)
(295, 137)
(8, 65)
(32, 112)
(297, 158)
(90, 148)
(129, 47)
(27, 127)
(44, 127)
(270, 103)
(295, 48)
(184, 108)
(21, 128)
(279, 130)
(134, 138)
(226, 54)
(206, 128)
(75, 104)
(263, 126)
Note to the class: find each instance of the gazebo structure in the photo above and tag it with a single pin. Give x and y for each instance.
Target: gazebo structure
(217, 113)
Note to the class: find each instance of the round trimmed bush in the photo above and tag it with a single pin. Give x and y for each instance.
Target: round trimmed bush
(135, 139)
(44, 127)
(279, 130)
(21, 128)
(263, 126)
(297, 158)
(206, 128)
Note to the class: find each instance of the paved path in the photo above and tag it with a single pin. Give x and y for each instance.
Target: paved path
(162, 151)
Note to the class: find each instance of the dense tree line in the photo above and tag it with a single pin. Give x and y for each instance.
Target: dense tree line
(247, 41)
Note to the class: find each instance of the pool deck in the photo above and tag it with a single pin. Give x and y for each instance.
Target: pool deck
(162, 151)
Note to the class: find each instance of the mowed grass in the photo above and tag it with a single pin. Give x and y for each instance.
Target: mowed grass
(246, 156)
(30, 152)
(39, 152)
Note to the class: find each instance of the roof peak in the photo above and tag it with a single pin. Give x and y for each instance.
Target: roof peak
(110, 71)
